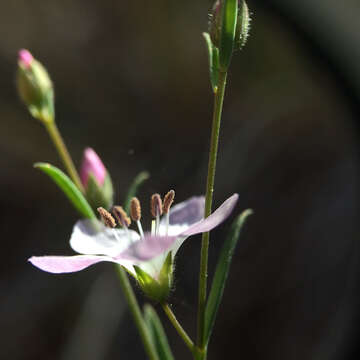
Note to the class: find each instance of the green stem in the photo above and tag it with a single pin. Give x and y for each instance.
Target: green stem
(58, 141)
(218, 104)
(189, 343)
(137, 314)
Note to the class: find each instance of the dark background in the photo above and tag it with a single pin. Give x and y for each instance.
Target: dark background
(131, 81)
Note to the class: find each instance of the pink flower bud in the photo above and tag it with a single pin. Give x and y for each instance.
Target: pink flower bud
(92, 164)
(25, 58)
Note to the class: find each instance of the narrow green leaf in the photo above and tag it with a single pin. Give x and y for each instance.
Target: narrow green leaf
(228, 28)
(68, 188)
(137, 182)
(221, 273)
(157, 332)
(213, 53)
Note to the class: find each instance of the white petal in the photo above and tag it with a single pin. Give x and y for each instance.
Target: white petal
(176, 245)
(173, 230)
(85, 239)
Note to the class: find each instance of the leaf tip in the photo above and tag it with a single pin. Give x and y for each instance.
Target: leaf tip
(39, 165)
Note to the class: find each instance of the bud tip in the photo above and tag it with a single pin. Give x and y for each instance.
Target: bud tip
(92, 164)
(25, 58)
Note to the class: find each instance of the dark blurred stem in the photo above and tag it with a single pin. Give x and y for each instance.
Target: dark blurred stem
(137, 314)
(218, 104)
(58, 141)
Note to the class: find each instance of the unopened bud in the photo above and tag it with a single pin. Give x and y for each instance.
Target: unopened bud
(25, 58)
(96, 180)
(242, 24)
(35, 87)
(92, 164)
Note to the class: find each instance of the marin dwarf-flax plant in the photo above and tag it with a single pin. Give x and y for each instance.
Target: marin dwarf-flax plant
(113, 233)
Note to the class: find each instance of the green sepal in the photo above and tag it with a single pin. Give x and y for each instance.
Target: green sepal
(166, 273)
(158, 334)
(99, 195)
(243, 25)
(68, 188)
(213, 53)
(137, 182)
(221, 273)
(227, 38)
(156, 290)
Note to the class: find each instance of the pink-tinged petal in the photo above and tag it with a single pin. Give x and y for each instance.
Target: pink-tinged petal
(188, 212)
(147, 248)
(66, 264)
(183, 215)
(92, 164)
(25, 58)
(215, 219)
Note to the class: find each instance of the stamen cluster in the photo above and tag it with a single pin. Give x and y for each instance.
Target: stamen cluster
(158, 207)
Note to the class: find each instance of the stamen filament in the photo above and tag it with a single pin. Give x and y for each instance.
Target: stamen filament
(167, 219)
(152, 227)
(138, 223)
(127, 231)
(157, 224)
(116, 235)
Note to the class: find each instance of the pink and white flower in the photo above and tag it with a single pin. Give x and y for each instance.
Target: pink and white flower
(129, 248)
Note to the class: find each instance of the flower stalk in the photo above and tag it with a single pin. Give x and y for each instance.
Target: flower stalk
(215, 133)
(62, 150)
(180, 330)
(136, 313)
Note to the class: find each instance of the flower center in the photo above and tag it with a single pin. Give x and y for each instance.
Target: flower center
(158, 207)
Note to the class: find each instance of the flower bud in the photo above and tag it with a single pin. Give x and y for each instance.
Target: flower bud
(96, 180)
(35, 87)
(92, 164)
(242, 24)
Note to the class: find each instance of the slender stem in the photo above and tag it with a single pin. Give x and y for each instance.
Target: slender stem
(58, 141)
(137, 314)
(218, 104)
(189, 343)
